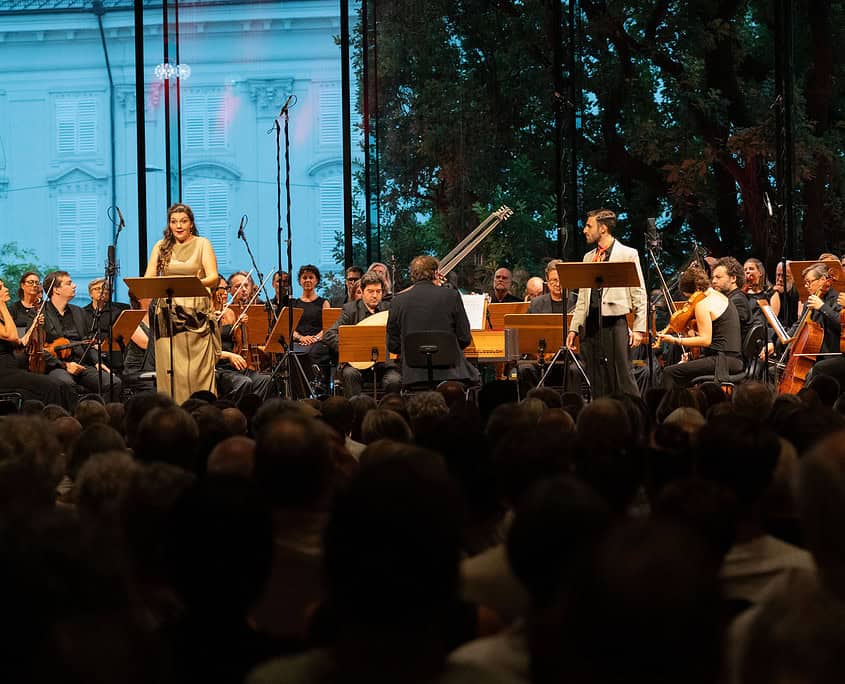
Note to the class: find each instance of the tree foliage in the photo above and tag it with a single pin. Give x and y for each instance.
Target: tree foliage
(15, 261)
(676, 119)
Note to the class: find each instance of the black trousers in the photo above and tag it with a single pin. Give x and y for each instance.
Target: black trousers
(680, 374)
(604, 348)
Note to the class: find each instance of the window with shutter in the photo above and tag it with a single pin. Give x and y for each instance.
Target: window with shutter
(204, 121)
(78, 235)
(330, 115)
(76, 126)
(331, 218)
(210, 202)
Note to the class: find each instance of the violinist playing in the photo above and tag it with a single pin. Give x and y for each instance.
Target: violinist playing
(709, 322)
(14, 379)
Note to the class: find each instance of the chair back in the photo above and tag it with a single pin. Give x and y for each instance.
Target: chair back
(445, 350)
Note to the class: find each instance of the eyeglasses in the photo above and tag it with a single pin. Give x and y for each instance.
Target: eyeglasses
(31, 282)
(807, 283)
(352, 280)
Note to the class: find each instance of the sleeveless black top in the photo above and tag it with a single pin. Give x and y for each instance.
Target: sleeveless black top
(726, 333)
(312, 316)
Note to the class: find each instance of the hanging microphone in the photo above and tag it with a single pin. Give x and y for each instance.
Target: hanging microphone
(651, 233)
(768, 204)
(286, 105)
(241, 228)
(122, 224)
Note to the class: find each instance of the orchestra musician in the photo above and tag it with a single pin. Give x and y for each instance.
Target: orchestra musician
(139, 358)
(13, 379)
(384, 272)
(758, 287)
(66, 321)
(502, 283)
(241, 293)
(99, 293)
(196, 338)
(716, 332)
(790, 307)
(552, 302)
(728, 277)
(281, 287)
(372, 288)
(534, 287)
(599, 318)
(308, 335)
(426, 307)
(29, 299)
(823, 302)
(352, 291)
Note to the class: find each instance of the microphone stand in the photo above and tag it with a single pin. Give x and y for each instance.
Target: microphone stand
(290, 362)
(271, 315)
(96, 332)
(652, 243)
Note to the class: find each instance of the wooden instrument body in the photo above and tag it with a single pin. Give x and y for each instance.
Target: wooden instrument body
(808, 340)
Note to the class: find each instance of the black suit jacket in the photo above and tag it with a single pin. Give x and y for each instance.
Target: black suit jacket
(53, 329)
(429, 307)
(743, 308)
(351, 314)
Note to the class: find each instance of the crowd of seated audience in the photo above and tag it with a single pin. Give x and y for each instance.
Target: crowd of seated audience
(685, 536)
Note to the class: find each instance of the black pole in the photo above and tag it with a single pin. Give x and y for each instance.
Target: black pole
(166, 54)
(140, 134)
(375, 114)
(178, 102)
(574, 104)
(346, 122)
(365, 120)
(558, 103)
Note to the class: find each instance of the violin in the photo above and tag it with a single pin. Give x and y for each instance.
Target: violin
(682, 321)
(62, 348)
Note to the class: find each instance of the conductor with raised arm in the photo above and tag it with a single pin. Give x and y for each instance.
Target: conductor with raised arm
(599, 318)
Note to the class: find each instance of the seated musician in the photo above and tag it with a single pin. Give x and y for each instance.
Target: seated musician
(308, 335)
(716, 332)
(15, 379)
(372, 289)
(233, 374)
(534, 288)
(728, 277)
(427, 307)
(552, 302)
(825, 305)
(281, 288)
(352, 291)
(383, 271)
(103, 315)
(29, 299)
(502, 282)
(69, 323)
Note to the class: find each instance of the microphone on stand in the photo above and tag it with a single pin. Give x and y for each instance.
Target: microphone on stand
(241, 235)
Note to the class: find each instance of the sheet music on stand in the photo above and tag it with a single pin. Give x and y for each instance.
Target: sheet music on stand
(476, 308)
(774, 321)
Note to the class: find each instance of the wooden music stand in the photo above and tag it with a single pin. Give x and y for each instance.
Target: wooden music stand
(167, 287)
(330, 317)
(532, 328)
(277, 341)
(359, 344)
(125, 325)
(496, 312)
(833, 267)
(257, 326)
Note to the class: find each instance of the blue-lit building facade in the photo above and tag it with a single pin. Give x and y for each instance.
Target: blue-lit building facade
(69, 129)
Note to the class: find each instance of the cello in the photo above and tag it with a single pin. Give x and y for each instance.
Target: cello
(801, 349)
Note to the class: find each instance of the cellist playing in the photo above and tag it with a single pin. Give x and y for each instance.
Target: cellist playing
(825, 305)
(713, 327)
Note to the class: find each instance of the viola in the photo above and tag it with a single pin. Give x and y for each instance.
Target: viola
(682, 321)
(62, 348)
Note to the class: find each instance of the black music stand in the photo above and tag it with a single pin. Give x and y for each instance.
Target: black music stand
(575, 275)
(167, 287)
(277, 343)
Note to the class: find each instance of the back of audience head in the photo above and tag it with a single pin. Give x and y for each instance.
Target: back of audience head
(648, 604)
(32, 464)
(550, 397)
(233, 456)
(138, 406)
(384, 424)
(796, 636)
(424, 410)
(361, 404)
(753, 400)
(32, 407)
(97, 438)
(169, 435)
(826, 388)
(821, 502)
(741, 454)
(293, 463)
(393, 539)
(675, 398)
(235, 421)
(338, 414)
(53, 411)
(100, 487)
(395, 402)
(90, 411)
(555, 527)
